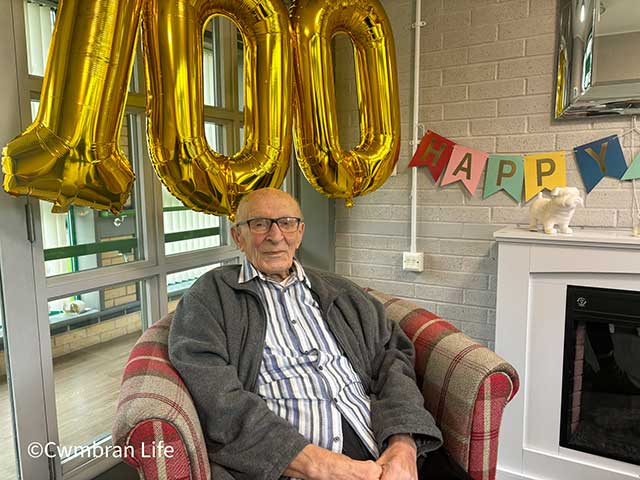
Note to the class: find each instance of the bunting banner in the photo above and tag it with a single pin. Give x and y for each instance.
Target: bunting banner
(504, 173)
(599, 159)
(516, 173)
(466, 166)
(634, 169)
(544, 170)
(433, 152)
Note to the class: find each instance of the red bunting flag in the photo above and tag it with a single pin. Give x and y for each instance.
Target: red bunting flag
(433, 152)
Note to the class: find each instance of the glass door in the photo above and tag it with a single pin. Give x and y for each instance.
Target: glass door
(93, 275)
(8, 458)
(23, 404)
(25, 436)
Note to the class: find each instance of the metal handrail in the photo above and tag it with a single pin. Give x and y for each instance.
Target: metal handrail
(122, 245)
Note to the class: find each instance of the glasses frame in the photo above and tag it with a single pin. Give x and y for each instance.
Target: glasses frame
(272, 220)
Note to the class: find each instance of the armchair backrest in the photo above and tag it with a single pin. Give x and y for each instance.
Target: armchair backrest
(155, 405)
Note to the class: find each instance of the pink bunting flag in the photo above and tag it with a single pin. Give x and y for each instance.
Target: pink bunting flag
(465, 165)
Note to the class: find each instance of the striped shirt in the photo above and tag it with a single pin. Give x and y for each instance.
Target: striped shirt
(304, 376)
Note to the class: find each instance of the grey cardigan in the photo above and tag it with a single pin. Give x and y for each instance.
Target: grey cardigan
(216, 341)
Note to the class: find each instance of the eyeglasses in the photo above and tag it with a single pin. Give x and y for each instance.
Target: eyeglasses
(263, 225)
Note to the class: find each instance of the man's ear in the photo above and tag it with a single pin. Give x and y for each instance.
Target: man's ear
(301, 227)
(235, 234)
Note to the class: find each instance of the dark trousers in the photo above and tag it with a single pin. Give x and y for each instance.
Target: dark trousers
(436, 465)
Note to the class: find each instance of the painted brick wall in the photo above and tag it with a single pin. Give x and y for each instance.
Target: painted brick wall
(486, 81)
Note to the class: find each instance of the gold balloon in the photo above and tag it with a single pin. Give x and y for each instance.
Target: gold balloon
(562, 86)
(70, 154)
(202, 179)
(332, 171)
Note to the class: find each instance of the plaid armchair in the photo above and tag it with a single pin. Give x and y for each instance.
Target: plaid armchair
(465, 385)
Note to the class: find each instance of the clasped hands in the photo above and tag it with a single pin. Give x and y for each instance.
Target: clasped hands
(397, 462)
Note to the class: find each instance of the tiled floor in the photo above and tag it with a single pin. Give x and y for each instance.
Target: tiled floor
(87, 384)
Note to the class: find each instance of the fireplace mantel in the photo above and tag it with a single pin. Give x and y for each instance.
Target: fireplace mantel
(533, 272)
(590, 238)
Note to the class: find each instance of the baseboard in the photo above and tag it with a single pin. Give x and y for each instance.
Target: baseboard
(502, 474)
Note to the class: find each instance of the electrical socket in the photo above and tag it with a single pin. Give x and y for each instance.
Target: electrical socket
(413, 261)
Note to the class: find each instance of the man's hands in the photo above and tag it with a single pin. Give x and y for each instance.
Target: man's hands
(316, 463)
(398, 461)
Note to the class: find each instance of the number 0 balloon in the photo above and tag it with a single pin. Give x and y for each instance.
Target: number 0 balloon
(330, 169)
(203, 179)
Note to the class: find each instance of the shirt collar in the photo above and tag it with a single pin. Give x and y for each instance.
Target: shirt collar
(248, 272)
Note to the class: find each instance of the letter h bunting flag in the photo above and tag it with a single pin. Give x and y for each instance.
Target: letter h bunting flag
(433, 152)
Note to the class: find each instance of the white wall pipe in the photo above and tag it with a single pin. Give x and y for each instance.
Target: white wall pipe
(416, 106)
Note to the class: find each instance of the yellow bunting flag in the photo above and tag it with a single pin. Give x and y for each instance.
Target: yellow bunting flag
(544, 170)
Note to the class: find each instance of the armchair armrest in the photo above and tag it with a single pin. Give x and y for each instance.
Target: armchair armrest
(465, 385)
(155, 406)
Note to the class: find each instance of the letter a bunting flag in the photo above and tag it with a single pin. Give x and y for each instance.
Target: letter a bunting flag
(466, 166)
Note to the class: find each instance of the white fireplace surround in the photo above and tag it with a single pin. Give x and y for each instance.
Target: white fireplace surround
(533, 272)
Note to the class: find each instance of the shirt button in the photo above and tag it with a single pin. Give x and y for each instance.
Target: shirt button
(336, 439)
(320, 367)
(335, 400)
(293, 320)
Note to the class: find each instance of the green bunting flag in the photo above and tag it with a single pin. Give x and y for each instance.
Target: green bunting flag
(633, 171)
(504, 173)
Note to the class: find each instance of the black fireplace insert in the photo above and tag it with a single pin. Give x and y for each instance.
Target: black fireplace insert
(601, 373)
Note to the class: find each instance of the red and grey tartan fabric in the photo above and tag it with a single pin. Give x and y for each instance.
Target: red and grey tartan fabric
(155, 406)
(466, 387)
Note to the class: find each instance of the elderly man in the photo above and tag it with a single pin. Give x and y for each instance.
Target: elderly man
(297, 372)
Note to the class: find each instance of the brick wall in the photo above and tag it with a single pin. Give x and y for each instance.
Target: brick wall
(486, 81)
(120, 295)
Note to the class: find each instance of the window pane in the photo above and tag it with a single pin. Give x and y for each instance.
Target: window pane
(134, 86)
(83, 238)
(8, 461)
(212, 62)
(215, 135)
(240, 78)
(39, 23)
(186, 230)
(40, 17)
(92, 334)
(179, 282)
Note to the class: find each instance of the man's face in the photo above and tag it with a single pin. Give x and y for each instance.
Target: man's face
(271, 252)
